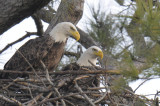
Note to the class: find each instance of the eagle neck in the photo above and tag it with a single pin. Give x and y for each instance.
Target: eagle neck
(84, 60)
(58, 36)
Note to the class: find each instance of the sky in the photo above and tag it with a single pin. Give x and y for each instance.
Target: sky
(108, 6)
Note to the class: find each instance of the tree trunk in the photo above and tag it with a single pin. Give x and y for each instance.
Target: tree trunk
(14, 11)
(69, 11)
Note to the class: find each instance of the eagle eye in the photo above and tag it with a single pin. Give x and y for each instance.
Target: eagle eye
(95, 50)
(72, 28)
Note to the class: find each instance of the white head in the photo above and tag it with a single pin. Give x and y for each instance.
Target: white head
(63, 30)
(91, 54)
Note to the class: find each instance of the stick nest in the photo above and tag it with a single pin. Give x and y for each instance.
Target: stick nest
(83, 87)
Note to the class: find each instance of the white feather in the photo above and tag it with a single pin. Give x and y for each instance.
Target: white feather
(87, 56)
(61, 31)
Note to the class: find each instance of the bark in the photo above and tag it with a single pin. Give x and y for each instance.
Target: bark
(85, 39)
(14, 11)
(68, 10)
(71, 11)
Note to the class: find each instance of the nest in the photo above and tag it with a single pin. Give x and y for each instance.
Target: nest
(83, 87)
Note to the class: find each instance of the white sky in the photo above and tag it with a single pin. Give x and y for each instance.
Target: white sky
(19, 30)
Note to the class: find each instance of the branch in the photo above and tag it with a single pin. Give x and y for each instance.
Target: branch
(34, 71)
(59, 95)
(111, 72)
(85, 39)
(28, 34)
(142, 84)
(14, 12)
(57, 98)
(38, 24)
(69, 11)
(8, 100)
(71, 54)
(47, 73)
(45, 15)
(84, 95)
(34, 100)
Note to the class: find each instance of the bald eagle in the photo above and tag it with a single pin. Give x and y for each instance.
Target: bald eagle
(49, 49)
(90, 55)
(87, 60)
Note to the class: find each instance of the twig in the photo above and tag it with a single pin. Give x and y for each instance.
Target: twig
(92, 63)
(59, 95)
(71, 104)
(8, 100)
(96, 88)
(57, 98)
(104, 95)
(28, 34)
(10, 83)
(31, 67)
(24, 85)
(100, 99)
(110, 98)
(47, 74)
(35, 99)
(84, 95)
(71, 54)
(47, 96)
(57, 103)
(16, 101)
(141, 84)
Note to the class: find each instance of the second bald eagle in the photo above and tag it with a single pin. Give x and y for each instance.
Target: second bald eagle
(88, 58)
(49, 49)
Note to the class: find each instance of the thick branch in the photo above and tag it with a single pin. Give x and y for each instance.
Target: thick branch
(66, 72)
(14, 11)
(45, 15)
(85, 39)
(38, 24)
(68, 10)
(72, 54)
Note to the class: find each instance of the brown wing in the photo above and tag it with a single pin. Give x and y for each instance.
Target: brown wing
(33, 50)
(54, 56)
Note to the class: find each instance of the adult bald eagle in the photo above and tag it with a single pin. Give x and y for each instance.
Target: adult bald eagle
(49, 49)
(90, 55)
(87, 60)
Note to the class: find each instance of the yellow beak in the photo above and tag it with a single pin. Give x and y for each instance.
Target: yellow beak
(100, 54)
(75, 34)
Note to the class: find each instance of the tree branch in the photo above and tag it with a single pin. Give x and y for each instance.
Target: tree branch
(28, 34)
(85, 39)
(84, 95)
(114, 72)
(15, 11)
(70, 11)
(38, 24)
(72, 54)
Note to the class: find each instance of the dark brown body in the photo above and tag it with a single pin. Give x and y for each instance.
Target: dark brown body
(44, 48)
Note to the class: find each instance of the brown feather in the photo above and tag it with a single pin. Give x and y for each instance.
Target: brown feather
(43, 48)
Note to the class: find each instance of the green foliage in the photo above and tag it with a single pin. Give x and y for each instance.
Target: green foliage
(129, 69)
(147, 16)
(118, 85)
(103, 29)
(145, 23)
